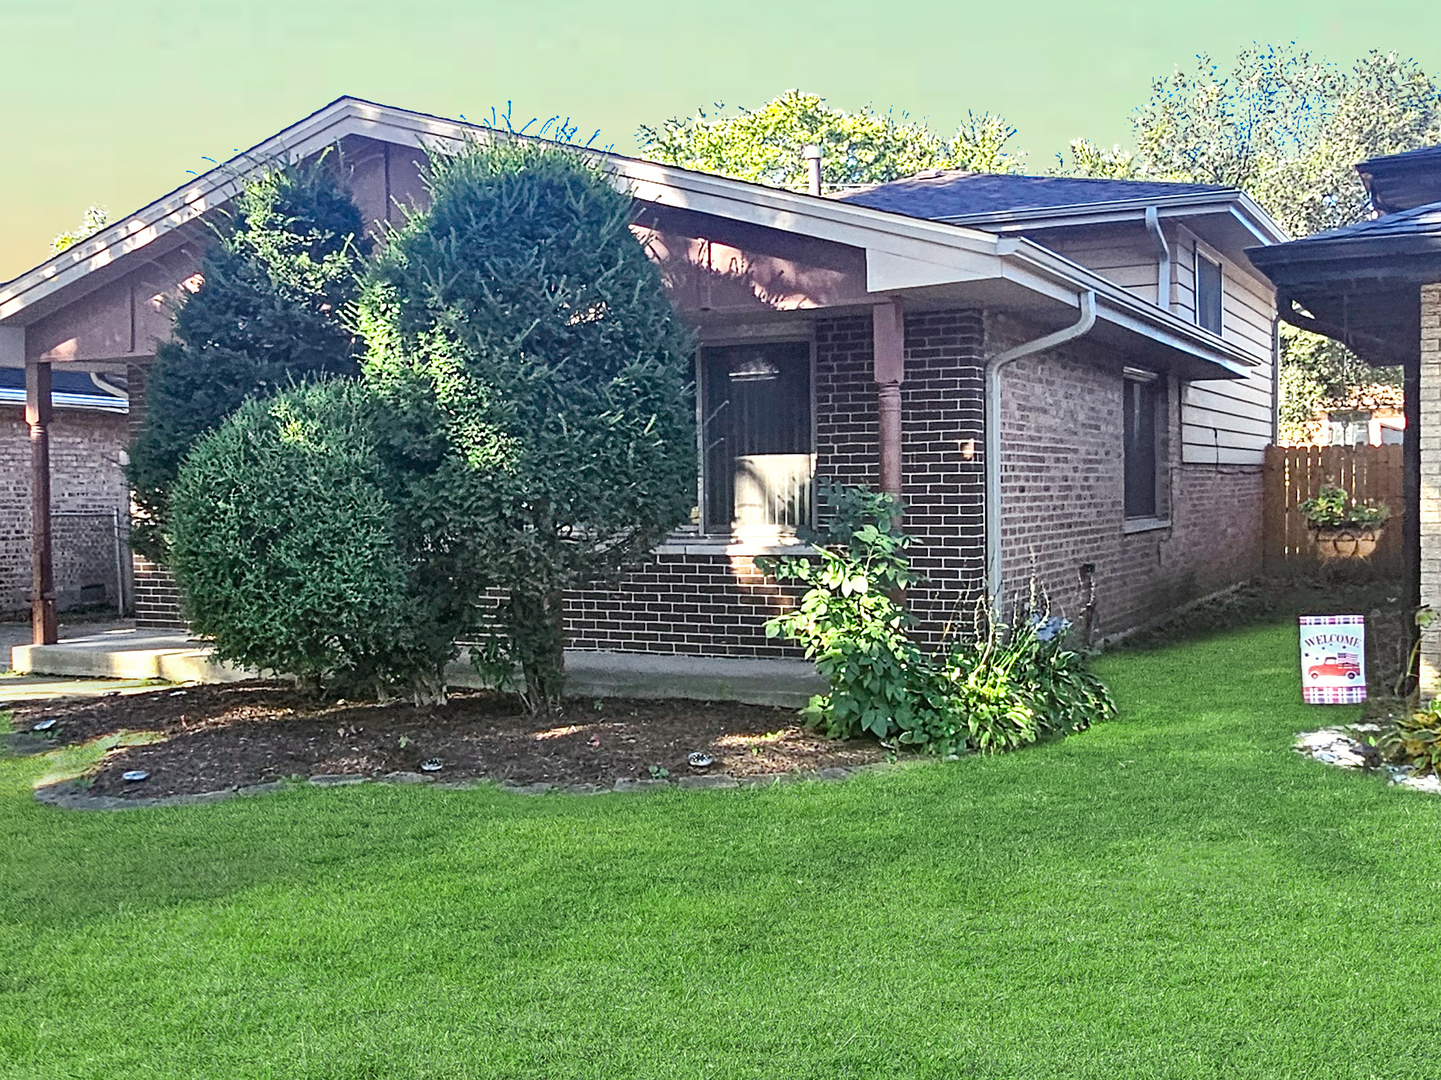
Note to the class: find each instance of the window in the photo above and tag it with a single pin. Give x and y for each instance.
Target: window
(1143, 424)
(1208, 294)
(757, 456)
(1349, 427)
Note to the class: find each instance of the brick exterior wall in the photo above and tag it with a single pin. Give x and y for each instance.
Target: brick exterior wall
(157, 600)
(87, 487)
(1063, 490)
(717, 604)
(1430, 431)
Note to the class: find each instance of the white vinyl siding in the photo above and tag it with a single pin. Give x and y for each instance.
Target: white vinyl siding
(1223, 421)
(1122, 256)
(1228, 421)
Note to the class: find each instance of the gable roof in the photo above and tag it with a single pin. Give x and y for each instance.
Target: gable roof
(902, 252)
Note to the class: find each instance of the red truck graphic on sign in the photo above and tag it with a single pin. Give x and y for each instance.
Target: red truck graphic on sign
(1341, 666)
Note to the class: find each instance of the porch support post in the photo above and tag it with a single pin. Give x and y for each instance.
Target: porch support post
(42, 583)
(888, 321)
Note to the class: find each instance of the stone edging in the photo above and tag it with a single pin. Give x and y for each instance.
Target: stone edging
(1346, 748)
(68, 796)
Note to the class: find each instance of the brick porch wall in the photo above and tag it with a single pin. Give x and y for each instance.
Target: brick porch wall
(85, 479)
(1430, 432)
(1063, 491)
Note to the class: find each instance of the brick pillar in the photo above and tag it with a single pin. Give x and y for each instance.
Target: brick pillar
(1429, 431)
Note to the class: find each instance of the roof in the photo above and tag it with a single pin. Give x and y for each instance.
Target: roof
(1403, 181)
(1398, 246)
(903, 253)
(942, 195)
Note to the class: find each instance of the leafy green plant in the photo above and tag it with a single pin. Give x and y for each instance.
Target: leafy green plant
(659, 772)
(998, 688)
(1416, 738)
(1332, 508)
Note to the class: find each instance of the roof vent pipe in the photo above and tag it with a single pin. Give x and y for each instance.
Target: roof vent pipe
(1087, 303)
(811, 153)
(1163, 260)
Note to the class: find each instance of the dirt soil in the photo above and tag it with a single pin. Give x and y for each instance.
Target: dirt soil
(219, 737)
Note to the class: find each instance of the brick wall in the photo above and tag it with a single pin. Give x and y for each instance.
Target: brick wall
(1063, 491)
(157, 600)
(717, 603)
(87, 487)
(1430, 430)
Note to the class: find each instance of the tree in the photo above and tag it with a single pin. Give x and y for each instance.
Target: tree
(96, 217)
(520, 318)
(856, 148)
(270, 312)
(1288, 129)
(295, 551)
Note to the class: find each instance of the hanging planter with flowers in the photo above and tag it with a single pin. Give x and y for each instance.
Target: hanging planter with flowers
(1342, 528)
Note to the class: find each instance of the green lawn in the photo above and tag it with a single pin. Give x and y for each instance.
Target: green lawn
(1175, 894)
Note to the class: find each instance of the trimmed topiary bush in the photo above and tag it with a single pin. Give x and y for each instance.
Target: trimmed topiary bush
(292, 553)
(520, 319)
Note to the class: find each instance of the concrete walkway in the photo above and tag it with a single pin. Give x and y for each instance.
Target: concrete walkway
(122, 652)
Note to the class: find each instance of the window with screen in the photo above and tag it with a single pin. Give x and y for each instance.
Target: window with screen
(1143, 408)
(1208, 294)
(757, 453)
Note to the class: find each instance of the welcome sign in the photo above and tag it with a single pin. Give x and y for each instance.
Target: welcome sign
(1333, 659)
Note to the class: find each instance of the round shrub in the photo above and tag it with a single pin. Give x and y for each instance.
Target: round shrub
(284, 545)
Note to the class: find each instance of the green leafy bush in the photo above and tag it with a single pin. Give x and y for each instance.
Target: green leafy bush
(523, 326)
(995, 689)
(269, 313)
(1333, 508)
(291, 548)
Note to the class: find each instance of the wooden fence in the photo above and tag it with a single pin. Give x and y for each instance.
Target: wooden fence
(1295, 473)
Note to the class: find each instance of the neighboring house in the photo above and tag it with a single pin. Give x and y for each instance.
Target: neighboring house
(1376, 287)
(89, 500)
(1115, 332)
(1371, 415)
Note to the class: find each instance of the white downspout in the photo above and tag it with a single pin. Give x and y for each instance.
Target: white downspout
(1163, 260)
(1087, 303)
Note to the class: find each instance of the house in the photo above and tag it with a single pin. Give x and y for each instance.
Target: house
(89, 499)
(1370, 415)
(1066, 380)
(1376, 287)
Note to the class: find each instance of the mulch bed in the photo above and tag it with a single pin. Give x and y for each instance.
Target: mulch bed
(220, 737)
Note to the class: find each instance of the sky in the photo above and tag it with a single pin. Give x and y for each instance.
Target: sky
(112, 101)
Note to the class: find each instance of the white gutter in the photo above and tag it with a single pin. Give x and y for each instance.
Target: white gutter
(109, 387)
(1087, 303)
(1163, 259)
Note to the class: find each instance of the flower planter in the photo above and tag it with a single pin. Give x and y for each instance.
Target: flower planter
(1345, 541)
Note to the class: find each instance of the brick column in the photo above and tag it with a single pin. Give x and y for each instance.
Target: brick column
(1429, 432)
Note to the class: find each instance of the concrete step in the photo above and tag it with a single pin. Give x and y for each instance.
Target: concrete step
(176, 657)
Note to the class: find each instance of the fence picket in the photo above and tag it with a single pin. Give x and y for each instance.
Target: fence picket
(1293, 474)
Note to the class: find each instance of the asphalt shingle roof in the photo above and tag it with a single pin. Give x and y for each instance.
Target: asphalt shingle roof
(951, 194)
(1419, 221)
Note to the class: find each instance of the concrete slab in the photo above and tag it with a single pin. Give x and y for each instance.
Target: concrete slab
(127, 653)
(15, 689)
